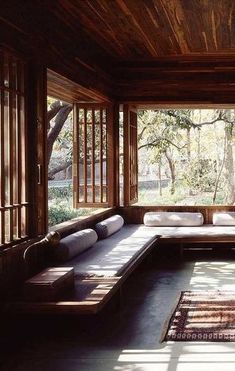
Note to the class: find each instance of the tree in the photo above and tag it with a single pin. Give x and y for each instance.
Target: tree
(167, 133)
(56, 117)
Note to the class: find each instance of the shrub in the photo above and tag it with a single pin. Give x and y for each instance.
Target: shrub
(58, 213)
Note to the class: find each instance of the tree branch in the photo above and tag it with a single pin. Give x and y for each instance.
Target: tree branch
(155, 142)
(53, 133)
(192, 124)
(64, 165)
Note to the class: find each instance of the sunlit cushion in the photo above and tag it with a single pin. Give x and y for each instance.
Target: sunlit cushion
(224, 218)
(75, 244)
(166, 218)
(109, 226)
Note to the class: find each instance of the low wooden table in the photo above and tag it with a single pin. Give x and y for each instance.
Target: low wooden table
(88, 296)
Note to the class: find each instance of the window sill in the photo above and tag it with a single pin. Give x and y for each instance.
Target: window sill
(82, 222)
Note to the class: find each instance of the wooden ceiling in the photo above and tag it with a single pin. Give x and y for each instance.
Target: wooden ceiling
(141, 51)
(149, 29)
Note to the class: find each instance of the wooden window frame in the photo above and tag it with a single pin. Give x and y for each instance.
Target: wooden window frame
(108, 188)
(106, 183)
(130, 180)
(14, 205)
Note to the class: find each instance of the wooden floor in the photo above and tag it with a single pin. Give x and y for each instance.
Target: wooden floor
(130, 338)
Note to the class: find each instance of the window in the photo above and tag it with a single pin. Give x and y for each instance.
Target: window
(13, 159)
(91, 162)
(186, 157)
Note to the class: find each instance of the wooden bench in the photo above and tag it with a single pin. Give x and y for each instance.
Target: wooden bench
(89, 294)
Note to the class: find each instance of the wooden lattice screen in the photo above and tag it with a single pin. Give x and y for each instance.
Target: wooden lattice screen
(13, 169)
(130, 156)
(91, 161)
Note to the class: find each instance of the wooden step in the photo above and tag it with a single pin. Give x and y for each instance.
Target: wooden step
(49, 284)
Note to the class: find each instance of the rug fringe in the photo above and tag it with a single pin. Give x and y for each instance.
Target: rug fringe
(167, 321)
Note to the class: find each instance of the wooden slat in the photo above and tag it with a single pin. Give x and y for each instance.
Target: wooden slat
(93, 156)
(76, 180)
(130, 155)
(11, 145)
(2, 158)
(101, 155)
(13, 134)
(85, 155)
(96, 139)
(19, 152)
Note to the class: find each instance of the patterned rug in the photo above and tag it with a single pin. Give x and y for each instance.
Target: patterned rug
(203, 316)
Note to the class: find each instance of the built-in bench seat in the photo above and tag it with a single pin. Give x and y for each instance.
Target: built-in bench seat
(186, 228)
(205, 232)
(113, 256)
(102, 266)
(99, 271)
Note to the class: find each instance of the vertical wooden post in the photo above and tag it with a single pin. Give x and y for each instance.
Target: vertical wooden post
(126, 155)
(37, 141)
(130, 180)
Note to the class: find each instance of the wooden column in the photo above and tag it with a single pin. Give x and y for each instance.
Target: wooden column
(130, 178)
(37, 140)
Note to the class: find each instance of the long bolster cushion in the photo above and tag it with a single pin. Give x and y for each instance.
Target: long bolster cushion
(109, 226)
(75, 244)
(224, 218)
(166, 218)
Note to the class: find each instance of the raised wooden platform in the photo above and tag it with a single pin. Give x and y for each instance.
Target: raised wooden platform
(88, 296)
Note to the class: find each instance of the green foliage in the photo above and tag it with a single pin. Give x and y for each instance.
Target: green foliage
(60, 206)
(62, 193)
(181, 196)
(192, 149)
(58, 213)
(201, 175)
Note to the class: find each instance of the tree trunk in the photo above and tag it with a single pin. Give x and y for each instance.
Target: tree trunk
(160, 178)
(53, 133)
(172, 171)
(219, 172)
(189, 155)
(57, 169)
(229, 165)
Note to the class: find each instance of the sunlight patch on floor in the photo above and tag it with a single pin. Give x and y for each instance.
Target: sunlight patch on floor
(213, 276)
(179, 356)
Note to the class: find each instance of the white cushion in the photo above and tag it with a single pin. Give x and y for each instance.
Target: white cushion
(75, 244)
(166, 218)
(109, 226)
(224, 218)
